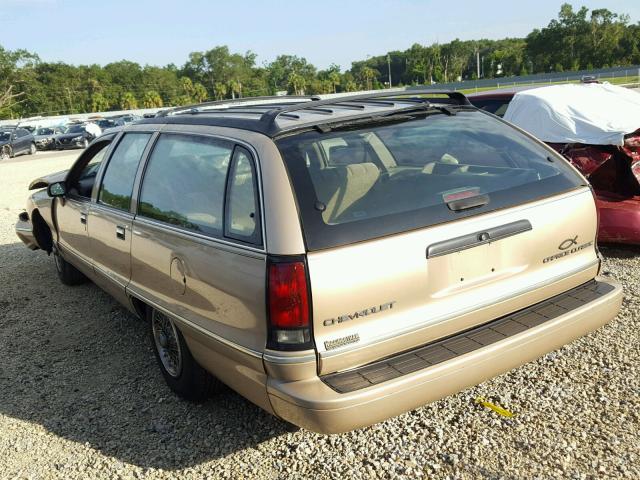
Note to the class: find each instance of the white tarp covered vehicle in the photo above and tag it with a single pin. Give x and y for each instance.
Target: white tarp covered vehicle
(590, 114)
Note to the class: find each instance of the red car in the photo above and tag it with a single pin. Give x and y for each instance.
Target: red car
(612, 169)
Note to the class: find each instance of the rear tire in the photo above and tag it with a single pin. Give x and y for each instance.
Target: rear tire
(32, 149)
(180, 370)
(5, 153)
(67, 273)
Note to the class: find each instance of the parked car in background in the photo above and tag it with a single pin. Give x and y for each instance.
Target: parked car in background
(16, 141)
(109, 122)
(589, 79)
(597, 127)
(45, 137)
(126, 118)
(75, 136)
(337, 262)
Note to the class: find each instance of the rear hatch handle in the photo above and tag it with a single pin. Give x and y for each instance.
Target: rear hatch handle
(471, 240)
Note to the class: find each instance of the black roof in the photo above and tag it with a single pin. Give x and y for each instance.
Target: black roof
(273, 116)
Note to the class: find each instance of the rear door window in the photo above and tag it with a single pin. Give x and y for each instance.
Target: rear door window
(184, 182)
(117, 183)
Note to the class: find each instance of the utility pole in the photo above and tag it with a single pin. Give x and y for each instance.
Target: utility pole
(478, 62)
(389, 65)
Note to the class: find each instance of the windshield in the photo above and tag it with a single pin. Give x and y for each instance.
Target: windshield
(74, 129)
(45, 131)
(4, 136)
(356, 184)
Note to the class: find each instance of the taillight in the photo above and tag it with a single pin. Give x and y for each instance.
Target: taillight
(288, 305)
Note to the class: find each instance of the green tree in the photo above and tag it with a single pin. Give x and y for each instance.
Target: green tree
(200, 93)
(99, 103)
(367, 76)
(152, 99)
(235, 87)
(296, 83)
(219, 91)
(283, 67)
(128, 101)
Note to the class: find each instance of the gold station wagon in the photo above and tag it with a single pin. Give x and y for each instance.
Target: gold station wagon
(336, 261)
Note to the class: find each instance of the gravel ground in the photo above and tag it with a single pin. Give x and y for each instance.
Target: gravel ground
(81, 397)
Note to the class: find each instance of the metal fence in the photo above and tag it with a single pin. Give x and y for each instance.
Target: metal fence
(632, 73)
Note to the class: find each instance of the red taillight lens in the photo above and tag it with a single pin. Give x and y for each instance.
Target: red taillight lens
(288, 297)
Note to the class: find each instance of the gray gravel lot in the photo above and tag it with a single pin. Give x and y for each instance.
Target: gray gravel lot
(82, 397)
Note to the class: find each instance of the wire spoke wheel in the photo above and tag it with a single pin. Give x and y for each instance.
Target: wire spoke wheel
(166, 340)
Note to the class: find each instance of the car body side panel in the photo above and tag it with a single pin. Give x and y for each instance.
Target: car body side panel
(200, 309)
(619, 219)
(73, 239)
(216, 292)
(218, 287)
(238, 369)
(109, 253)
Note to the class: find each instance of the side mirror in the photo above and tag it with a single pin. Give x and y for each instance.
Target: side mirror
(57, 189)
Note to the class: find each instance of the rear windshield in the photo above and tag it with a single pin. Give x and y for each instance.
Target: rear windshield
(354, 184)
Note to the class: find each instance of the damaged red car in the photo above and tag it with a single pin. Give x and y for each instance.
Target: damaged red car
(597, 127)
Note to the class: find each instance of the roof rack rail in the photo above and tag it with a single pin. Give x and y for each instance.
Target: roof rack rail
(236, 102)
(270, 116)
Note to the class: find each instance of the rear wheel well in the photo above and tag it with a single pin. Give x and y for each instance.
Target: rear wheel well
(41, 232)
(140, 307)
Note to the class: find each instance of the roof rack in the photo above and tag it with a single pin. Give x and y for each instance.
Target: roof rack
(260, 114)
(235, 102)
(401, 95)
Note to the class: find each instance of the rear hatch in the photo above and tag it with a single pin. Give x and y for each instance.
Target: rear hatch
(420, 227)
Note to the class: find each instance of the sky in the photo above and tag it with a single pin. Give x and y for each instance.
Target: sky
(159, 32)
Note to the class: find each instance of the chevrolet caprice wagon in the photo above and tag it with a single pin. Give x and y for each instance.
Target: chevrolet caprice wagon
(336, 261)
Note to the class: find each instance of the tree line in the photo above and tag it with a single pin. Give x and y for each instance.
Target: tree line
(577, 39)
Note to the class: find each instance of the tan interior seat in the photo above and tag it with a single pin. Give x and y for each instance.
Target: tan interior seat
(340, 187)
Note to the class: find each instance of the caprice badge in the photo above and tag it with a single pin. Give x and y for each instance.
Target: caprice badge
(567, 247)
(362, 313)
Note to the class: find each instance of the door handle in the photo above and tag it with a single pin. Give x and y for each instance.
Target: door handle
(120, 232)
(83, 218)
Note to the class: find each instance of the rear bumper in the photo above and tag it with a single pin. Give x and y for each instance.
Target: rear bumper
(316, 406)
(24, 230)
